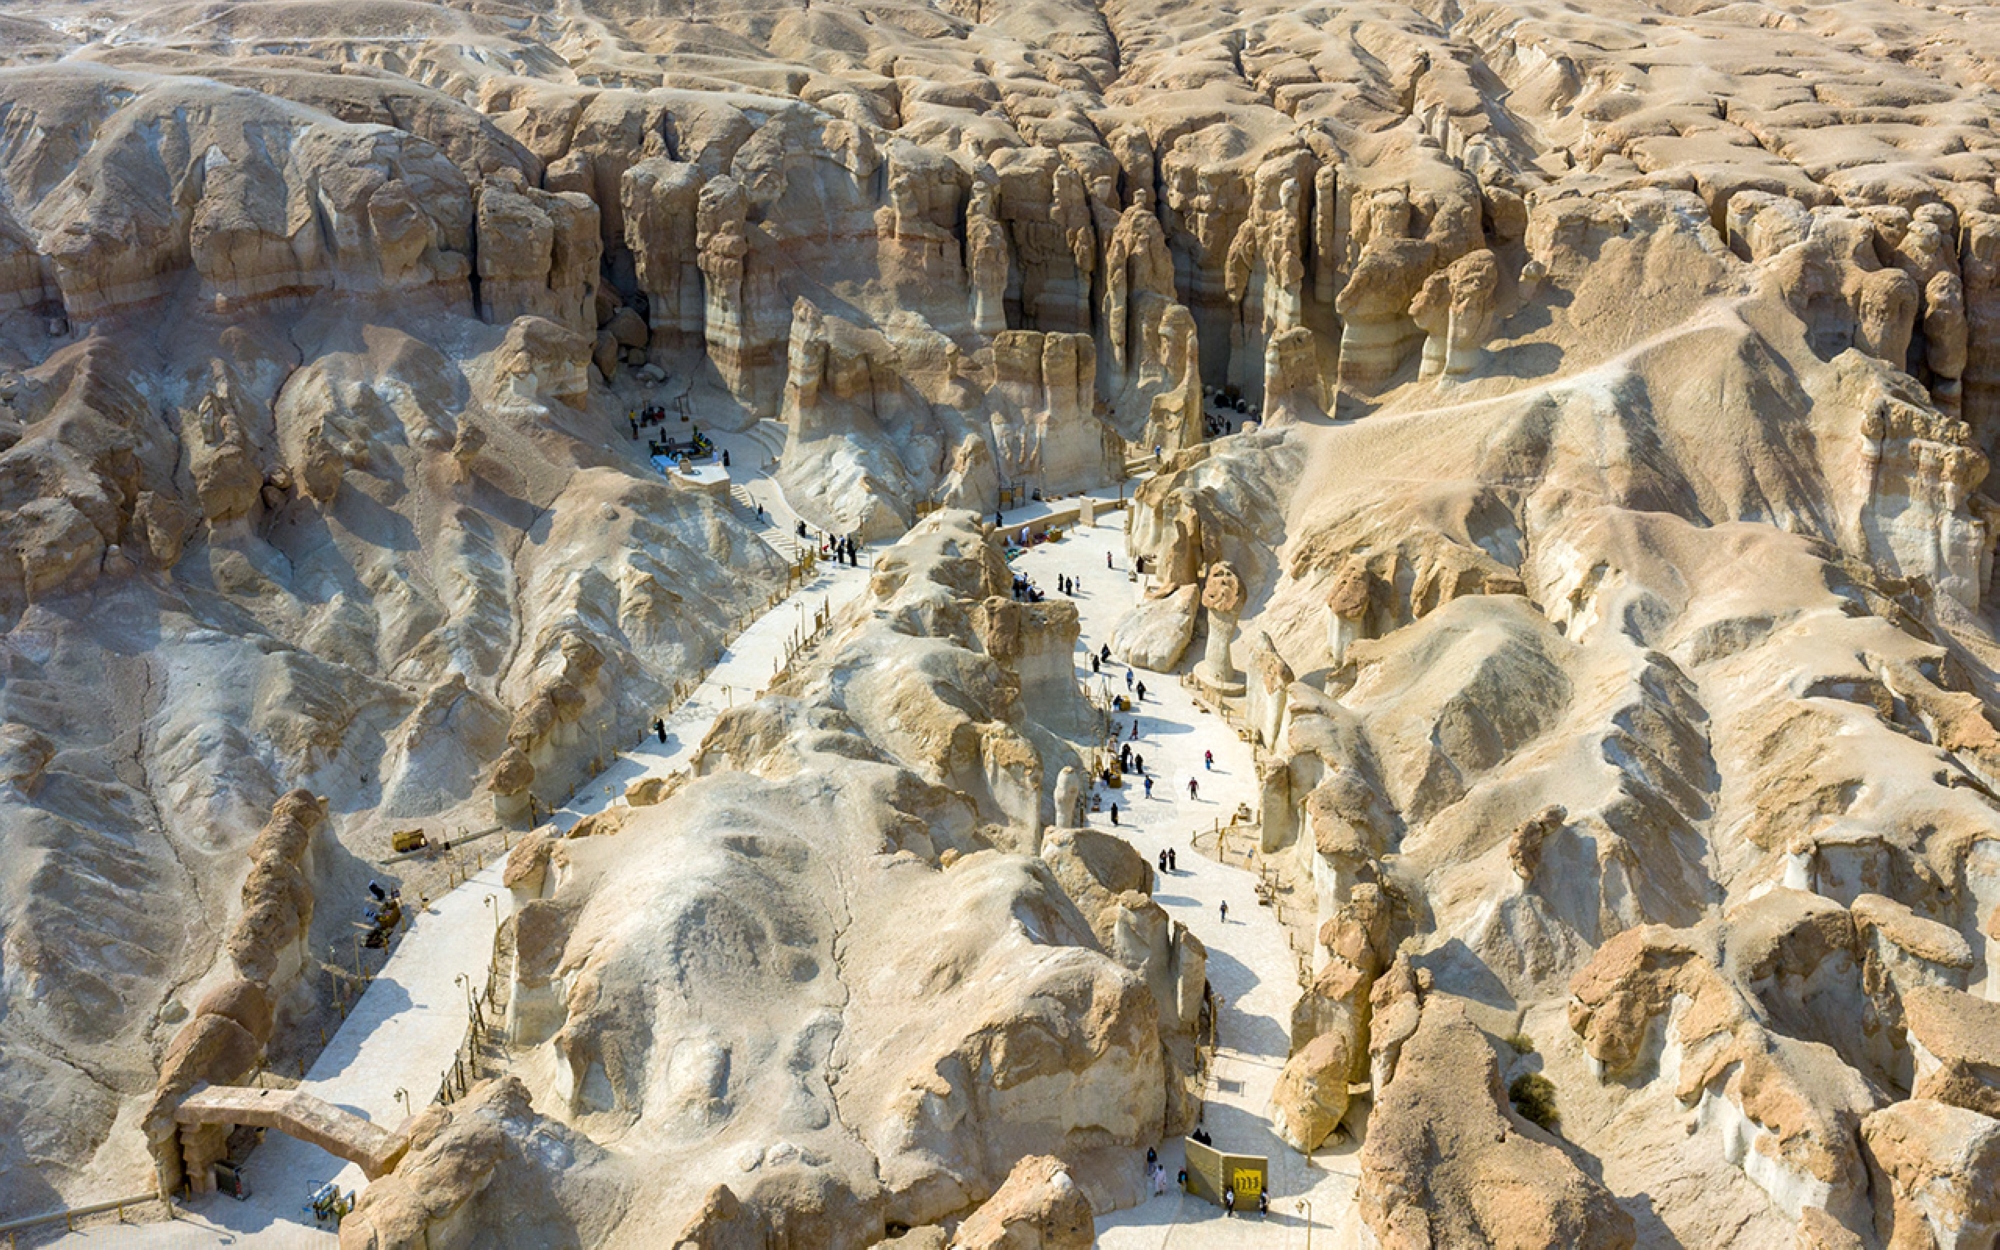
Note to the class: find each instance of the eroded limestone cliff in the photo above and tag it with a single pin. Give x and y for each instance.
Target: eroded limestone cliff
(1569, 429)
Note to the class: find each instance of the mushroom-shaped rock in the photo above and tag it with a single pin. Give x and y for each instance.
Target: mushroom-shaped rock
(1223, 596)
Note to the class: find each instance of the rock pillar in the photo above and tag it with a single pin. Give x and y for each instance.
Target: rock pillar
(1223, 596)
(1346, 612)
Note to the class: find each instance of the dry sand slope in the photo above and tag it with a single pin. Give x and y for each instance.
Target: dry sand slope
(1608, 568)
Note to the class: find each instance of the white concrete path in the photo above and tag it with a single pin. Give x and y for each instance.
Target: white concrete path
(402, 1035)
(1250, 959)
(744, 670)
(405, 1030)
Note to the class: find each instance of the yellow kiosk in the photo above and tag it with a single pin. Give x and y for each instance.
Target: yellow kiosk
(1211, 1171)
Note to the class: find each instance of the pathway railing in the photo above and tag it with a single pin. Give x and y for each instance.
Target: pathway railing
(70, 1215)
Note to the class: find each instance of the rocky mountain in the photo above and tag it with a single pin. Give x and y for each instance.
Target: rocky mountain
(1582, 412)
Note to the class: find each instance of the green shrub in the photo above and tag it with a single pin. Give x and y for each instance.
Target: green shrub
(1534, 1096)
(1522, 1043)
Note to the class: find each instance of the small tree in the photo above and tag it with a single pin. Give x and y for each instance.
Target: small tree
(1534, 1097)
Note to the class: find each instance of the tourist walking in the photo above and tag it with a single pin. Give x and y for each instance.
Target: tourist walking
(1149, 794)
(660, 728)
(1138, 763)
(1114, 811)
(1107, 559)
(1128, 679)
(1096, 666)
(1207, 760)
(1194, 788)
(1142, 692)
(1225, 902)
(1173, 861)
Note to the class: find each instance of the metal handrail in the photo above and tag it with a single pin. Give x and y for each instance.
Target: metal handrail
(70, 1214)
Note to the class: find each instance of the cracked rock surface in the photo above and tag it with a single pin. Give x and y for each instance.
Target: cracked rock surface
(1590, 406)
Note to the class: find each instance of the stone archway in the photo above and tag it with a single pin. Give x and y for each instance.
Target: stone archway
(206, 1116)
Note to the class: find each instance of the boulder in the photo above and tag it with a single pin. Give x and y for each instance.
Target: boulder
(1310, 1098)
(1937, 1174)
(1447, 1163)
(1039, 1207)
(1154, 633)
(1955, 1046)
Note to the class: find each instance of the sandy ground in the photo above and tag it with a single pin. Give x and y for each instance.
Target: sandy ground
(1249, 957)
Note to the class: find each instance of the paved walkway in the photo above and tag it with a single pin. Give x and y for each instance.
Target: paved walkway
(739, 676)
(405, 1030)
(1250, 960)
(402, 1035)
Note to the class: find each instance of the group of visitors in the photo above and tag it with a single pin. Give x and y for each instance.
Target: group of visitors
(840, 548)
(650, 415)
(1028, 536)
(697, 446)
(1132, 763)
(1025, 590)
(1156, 1175)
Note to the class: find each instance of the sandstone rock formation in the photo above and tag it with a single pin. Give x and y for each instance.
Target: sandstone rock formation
(479, 1171)
(1450, 1168)
(923, 788)
(1038, 1208)
(1611, 559)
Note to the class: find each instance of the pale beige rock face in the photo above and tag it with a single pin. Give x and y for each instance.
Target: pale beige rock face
(1040, 1207)
(1311, 1096)
(538, 257)
(1937, 1164)
(1444, 1164)
(1155, 632)
(1625, 384)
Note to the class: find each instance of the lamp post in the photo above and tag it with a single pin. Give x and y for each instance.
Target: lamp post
(493, 905)
(461, 979)
(403, 1096)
